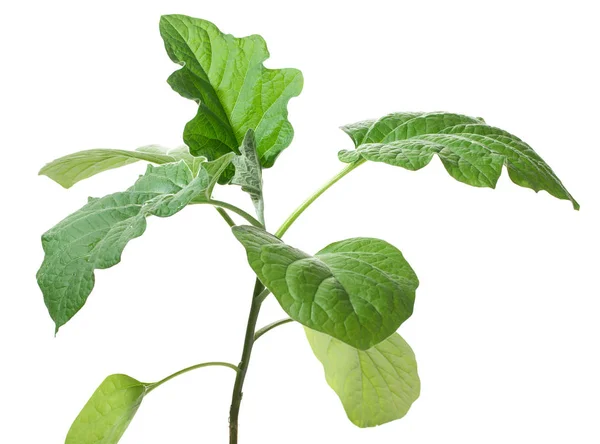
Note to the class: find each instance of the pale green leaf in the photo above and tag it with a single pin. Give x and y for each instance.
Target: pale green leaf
(375, 386)
(357, 290)
(248, 173)
(225, 75)
(94, 236)
(471, 151)
(107, 414)
(70, 169)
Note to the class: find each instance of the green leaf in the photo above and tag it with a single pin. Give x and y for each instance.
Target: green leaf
(375, 386)
(107, 414)
(357, 290)
(70, 169)
(471, 151)
(235, 92)
(248, 174)
(94, 236)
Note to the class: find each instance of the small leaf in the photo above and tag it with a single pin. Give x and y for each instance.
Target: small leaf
(70, 169)
(248, 174)
(375, 386)
(235, 92)
(107, 414)
(357, 290)
(94, 236)
(471, 151)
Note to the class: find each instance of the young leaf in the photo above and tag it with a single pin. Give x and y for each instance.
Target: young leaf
(94, 236)
(107, 414)
(357, 290)
(248, 173)
(234, 90)
(375, 386)
(70, 169)
(471, 151)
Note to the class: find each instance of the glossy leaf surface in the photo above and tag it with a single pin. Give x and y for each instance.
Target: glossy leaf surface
(225, 75)
(471, 151)
(357, 290)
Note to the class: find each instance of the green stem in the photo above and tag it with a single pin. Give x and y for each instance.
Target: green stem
(270, 327)
(290, 220)
(225, 216)
(220, 204)
(236, 397)
(185, 370)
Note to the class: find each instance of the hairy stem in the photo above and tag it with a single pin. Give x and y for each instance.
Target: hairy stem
(188, 369)
(298, 211)
(270, 327)
(236, 398)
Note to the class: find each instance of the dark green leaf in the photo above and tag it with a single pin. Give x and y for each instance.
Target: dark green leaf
(94, 236)
(248, 174)
(357, 290)
(375, 386)
(107, 414)
(471, 151)
(235, 92)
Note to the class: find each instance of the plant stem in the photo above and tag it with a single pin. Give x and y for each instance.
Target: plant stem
(290, 220)
(225, 216)
(188, 369)
(270, 327)
(220, 204)
(236, 398)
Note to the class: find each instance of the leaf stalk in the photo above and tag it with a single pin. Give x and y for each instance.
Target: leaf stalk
(298, 211)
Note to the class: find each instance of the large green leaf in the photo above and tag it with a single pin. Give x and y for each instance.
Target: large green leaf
(72, 168)
(375, 386)
(248, 174)
(357, 290)
(94, 236)
(234, 90)
(107, 414)
(471, 151)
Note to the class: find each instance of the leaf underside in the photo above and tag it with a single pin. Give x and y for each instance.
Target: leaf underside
(94, 236)
(357, 290)
(375, 386)
(225, 75)
(248, 174)
(470, 150)
(72, 168)
(108, 413)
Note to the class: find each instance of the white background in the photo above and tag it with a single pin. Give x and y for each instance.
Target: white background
(506, 324)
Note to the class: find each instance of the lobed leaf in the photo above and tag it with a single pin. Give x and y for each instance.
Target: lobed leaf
(70, 169)
(94, 236)
(225, 75)
(375, 386)
(109, 411)
(357, 290)
(248, 174)
(471, 151)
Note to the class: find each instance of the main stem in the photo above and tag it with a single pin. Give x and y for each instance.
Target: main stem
(236, 398)
(258, 296)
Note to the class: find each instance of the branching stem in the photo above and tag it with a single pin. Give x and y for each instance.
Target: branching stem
(189, 369)
(270, 327)
(220, 204)
(298, 211)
